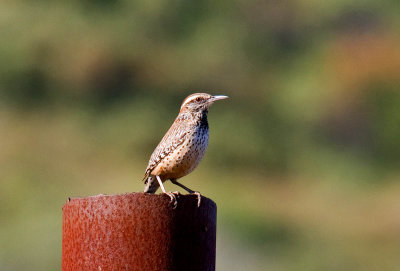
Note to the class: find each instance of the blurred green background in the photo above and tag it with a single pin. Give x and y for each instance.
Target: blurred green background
(303, 160)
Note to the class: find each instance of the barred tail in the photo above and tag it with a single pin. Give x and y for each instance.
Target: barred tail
(151, 184)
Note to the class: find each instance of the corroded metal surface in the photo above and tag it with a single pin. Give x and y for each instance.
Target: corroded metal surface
(138, 231)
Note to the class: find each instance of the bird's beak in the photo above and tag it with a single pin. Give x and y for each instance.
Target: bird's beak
(218, 97)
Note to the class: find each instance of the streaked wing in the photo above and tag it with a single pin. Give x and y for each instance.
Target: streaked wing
(171, 140)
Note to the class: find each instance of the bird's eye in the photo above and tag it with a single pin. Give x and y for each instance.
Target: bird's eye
(198, 99)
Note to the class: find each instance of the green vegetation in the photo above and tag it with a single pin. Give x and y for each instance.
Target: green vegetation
(303, 159)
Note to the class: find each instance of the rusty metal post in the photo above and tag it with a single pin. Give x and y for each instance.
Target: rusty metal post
(140, 232)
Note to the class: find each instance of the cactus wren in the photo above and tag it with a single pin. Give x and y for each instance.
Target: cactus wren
(182, 147)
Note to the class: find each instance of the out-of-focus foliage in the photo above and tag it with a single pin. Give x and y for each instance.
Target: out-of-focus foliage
(303, 159)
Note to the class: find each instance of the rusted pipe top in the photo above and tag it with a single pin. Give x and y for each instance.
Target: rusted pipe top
(138, 231)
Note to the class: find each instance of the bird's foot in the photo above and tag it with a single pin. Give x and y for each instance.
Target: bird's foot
(198, 197)
(172, 196)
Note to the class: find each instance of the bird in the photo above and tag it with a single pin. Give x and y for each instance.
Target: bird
(182, 147)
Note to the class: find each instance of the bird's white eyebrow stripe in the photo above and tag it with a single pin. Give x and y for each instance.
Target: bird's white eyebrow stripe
(190, 98)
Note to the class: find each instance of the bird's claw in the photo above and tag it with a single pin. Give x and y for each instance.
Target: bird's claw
(198, 198)
(172, 196)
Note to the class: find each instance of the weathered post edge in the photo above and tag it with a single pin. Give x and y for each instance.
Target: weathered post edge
(138, 231)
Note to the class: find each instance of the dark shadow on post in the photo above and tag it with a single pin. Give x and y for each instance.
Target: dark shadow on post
(138, 231)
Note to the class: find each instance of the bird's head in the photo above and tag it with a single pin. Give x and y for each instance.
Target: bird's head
(199, 102)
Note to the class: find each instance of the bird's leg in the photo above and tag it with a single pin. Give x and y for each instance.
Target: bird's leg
(170, 194)
(190, 191)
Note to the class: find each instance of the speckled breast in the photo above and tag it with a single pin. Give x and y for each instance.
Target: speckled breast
(186, 157)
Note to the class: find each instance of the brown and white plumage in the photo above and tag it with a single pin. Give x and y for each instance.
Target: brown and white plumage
(183, 146)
